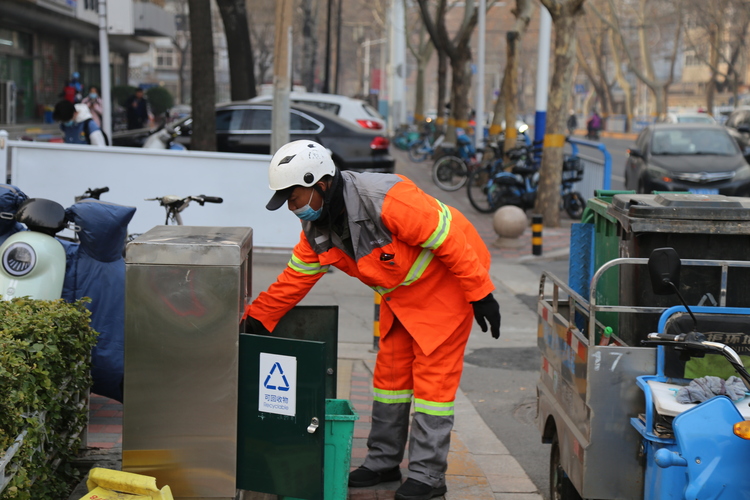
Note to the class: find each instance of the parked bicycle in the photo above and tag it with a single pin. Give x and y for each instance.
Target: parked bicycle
(424, 147)
(492, 187)
(405, 137)
(174, 205)
(451, 171)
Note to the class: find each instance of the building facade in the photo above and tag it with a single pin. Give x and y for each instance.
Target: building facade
(43, 42)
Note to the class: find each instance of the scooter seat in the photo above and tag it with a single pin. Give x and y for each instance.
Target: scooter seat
(42, 215)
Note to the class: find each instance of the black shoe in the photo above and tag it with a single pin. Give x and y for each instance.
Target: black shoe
(362, 477)
(414, 490)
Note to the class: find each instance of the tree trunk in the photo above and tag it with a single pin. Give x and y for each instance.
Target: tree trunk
(511, 76)
(310, 46)
(460, 88)
(548, 195)
(239, 48)
(203, 88)
(419, 98)
(442, 88)
(499, 111)
(622, 81)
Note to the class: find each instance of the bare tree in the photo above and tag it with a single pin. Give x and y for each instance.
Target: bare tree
(239, 48)
(203, 88)
(592, 55)
(717, 38)
(308, 62)
(645, 70)
(261, 23)
(458, 51)
(565, 14)
(422, 52)
(621, 80)
(181, 42)
(509, 87)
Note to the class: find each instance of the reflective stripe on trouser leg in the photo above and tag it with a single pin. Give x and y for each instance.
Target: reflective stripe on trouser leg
(392, 394)
(436, 380)
(428, 448)
(387, 440)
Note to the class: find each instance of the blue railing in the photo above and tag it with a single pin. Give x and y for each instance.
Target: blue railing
(597, 169)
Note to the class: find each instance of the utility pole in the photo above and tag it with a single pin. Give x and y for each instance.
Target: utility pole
(542, 75)
(397, 67)
(281, 74)
(104, 69)
(327, 80)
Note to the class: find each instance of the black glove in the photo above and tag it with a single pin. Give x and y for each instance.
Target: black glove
(252, 325)
(488, 309)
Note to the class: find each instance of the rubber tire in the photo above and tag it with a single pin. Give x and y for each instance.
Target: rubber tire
(560, 486)
(476, 189)
(574, 205)
(416, 154)
(450, 173)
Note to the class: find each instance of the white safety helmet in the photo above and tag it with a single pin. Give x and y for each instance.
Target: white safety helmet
(298, 163)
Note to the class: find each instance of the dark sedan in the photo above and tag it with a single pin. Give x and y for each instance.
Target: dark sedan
(698, 158)
(246, 128)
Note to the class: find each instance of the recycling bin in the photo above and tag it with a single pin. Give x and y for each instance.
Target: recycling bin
(697, 227)
(186, 288)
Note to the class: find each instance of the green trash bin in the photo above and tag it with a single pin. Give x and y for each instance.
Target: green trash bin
(340, 418)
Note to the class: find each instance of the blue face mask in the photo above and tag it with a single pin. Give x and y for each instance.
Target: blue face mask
(93, 95)
(307, 213)
(69, 123)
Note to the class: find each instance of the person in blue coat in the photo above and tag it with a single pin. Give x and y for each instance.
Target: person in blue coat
(77, 124)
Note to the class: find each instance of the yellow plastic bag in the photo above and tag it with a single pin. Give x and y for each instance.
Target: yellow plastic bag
(106, 484)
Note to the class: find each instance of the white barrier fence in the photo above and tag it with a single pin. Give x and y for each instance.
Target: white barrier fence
(60, 172)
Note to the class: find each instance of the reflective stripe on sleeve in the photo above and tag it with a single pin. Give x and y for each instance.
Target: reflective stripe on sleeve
(415, 271)
(441, 232)
(433, 407)
(391, 397)
(306, 267)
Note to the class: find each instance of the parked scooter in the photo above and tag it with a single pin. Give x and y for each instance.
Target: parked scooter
(164, 138)
(33, 261)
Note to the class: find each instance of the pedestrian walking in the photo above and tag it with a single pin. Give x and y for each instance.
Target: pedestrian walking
(77, 125)
(94, 103)
(137, 110)
(432, 269)
(594, 125)
(572, 122)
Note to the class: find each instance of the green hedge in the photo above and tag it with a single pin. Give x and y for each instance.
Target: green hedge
(45, 351)
(159, 99)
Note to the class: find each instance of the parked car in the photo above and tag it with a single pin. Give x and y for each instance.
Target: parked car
(738, 126)
(699, 158)
(689, 118)
(242, 127)
(354, 110)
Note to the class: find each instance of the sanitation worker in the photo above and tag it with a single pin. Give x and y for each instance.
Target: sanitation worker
(432, 270)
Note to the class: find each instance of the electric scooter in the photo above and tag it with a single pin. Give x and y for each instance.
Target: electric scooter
(33, 262)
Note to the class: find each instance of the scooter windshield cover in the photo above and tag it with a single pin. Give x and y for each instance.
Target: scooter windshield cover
(19, 259)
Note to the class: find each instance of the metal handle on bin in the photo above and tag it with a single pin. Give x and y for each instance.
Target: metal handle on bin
(313, 425)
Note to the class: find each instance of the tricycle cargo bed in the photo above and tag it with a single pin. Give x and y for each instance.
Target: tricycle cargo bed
(587, 393)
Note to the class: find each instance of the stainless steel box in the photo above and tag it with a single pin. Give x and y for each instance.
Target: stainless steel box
(186, 288)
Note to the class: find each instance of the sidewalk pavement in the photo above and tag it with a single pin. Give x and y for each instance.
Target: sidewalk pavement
(480, 466)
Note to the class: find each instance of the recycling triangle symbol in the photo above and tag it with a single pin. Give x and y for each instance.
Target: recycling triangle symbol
(276, 386)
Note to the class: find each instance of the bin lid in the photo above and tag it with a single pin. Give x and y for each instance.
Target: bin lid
(191, 245)
(682, 213)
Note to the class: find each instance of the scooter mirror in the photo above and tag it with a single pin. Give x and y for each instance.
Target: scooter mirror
(664, 270)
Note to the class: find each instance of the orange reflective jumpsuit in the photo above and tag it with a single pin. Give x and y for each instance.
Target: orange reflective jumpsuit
(428, 262)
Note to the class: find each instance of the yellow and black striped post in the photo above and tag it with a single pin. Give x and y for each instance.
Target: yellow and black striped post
(376, 324)
(536, 234)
